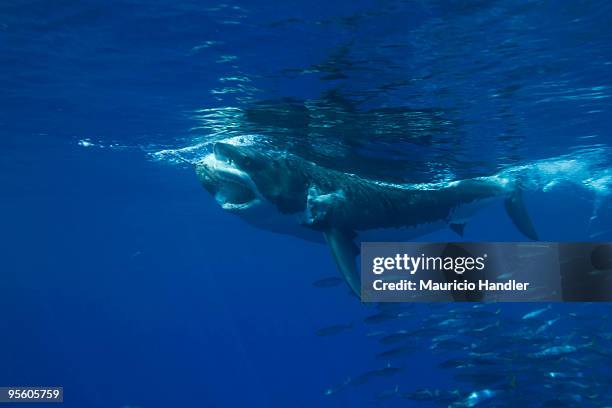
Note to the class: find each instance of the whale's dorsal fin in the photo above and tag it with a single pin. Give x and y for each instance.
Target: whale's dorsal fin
(345, 251)
(515, 207)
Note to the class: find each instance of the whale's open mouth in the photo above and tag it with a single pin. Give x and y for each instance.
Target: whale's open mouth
(233, 194)
(232, 188)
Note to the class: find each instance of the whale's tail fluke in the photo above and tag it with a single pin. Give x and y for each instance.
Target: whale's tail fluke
(587, 168)
(515, 207)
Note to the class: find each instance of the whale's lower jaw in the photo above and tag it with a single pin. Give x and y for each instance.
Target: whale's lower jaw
(234, 207)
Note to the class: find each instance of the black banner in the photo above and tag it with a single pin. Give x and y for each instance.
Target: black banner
(486, 272)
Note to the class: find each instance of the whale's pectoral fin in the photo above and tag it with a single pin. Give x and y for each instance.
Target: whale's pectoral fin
(345, 251)
(515, 207)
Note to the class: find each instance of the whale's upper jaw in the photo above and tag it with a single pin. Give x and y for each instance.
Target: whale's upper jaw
(233, 188)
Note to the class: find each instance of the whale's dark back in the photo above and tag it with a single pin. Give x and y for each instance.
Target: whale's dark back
(369, 204)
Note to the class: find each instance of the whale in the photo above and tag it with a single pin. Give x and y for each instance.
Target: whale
(287, 194)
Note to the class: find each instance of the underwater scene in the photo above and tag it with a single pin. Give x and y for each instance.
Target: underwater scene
(185, 186)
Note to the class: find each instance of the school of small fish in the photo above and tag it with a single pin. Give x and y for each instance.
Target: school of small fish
(496, 355)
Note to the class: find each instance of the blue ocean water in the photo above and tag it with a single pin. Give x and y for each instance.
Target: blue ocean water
(125, 283)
